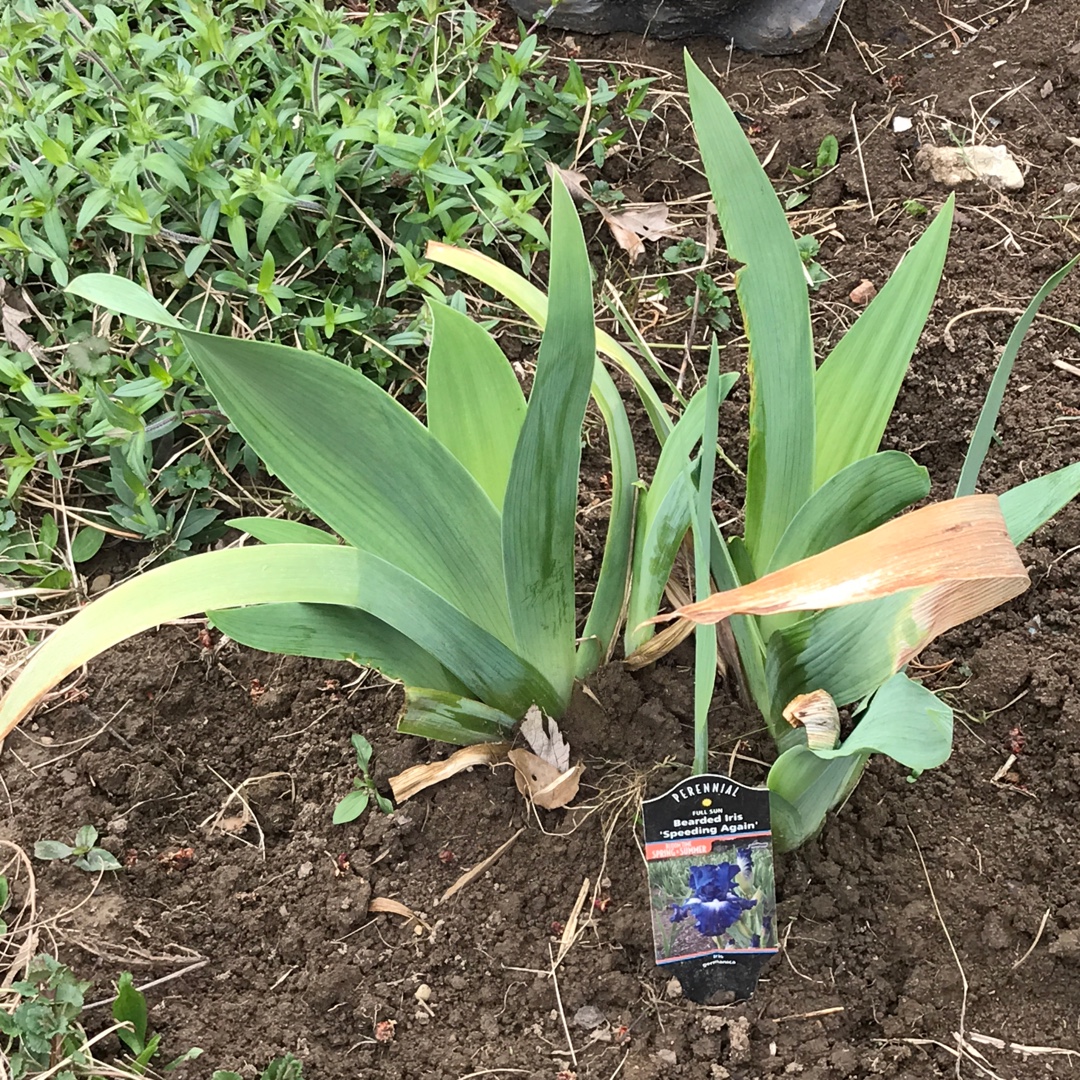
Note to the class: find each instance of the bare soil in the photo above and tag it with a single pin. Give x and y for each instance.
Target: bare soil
(949, 905)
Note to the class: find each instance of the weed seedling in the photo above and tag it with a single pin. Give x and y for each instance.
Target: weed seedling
(364, 790)
(712, 302)
(827, 155)
(88, 857)
(285, 1067)
(686, 252)
(809, 246)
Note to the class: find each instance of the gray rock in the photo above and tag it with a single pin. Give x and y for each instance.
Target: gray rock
(773, 27)
(588, 1017)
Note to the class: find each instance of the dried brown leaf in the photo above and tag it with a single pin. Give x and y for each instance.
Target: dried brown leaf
(383, 905)
(13, 313)
(957, 554)
(649, 220)
(414, 779)
(541, 782)
(547, 743)
(574, 181)
(233, 824)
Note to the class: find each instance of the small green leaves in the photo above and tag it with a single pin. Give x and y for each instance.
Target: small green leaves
(52, 849)
(828, 153)
(123, 296)
(90, 858)
(86, 543)
(352, 806)
(363, 752)
(364, 790)
(130, 1007)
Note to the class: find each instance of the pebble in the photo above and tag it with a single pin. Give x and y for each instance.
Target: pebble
(956, 165)
(588, 1017)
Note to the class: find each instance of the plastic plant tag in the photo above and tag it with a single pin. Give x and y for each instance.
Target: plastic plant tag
(712, 894)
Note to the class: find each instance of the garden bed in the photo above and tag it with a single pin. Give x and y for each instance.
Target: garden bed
(921, 910)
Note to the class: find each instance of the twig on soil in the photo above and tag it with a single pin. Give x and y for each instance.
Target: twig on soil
(232, 827)
(569, 934)
(78, 744)
(1031, 948)
(862, 164)
(787, 955)
(1020, 1048)
(952, 947)
(950, 342)
(17, 957)
(478, 869)
(831, 1011)
(836, 23)
(151, 984)
(1064, 365)
(967, 1053)
(562, 1013)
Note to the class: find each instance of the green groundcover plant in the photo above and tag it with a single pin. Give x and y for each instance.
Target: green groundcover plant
(273, 169)
(456, 575)
(42, 1032)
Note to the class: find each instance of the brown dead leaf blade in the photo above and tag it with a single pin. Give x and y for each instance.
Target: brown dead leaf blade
(383, 905)
(630, 227)
(546, 739)
(955, 556)
(542, 783)
(406, 784)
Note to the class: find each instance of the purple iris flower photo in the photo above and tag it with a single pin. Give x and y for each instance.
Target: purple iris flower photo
(744, 857)
(714, 904)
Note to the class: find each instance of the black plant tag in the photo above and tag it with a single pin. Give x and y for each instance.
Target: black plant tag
(712, 894)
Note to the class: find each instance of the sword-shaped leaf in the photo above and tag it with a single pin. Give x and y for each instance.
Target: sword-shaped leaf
(541, 495)
(335, 633)
(522, 293)
(355, 456)
(284, 573)
(475, 406)
(772, 294)
(452, 718)
(609, 599)
(857, 383)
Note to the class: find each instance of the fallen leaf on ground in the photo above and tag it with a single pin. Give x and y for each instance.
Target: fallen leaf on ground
(414, 779)
(382, 905)
(541, 782)
(630, 227)
(574, 181)
(547, 743)
(13, 312)
(634, 226)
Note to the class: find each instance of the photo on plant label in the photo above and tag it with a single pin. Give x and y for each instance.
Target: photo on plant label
(722, 900)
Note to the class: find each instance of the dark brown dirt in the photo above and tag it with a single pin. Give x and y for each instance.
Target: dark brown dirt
(868, 984)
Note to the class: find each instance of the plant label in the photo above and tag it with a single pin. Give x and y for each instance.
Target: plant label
(712, 895)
